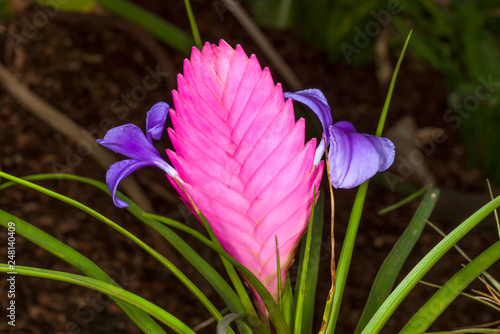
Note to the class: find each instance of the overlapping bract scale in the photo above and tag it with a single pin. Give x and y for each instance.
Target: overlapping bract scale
(241, 158)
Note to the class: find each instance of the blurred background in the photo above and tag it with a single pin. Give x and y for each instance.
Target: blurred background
(71, 70)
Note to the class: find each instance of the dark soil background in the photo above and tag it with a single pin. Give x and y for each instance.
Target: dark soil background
(83, 66)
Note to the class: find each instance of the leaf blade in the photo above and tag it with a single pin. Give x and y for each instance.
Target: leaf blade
(109, 289)
(389, 270)
(78, 260)
(428, 313)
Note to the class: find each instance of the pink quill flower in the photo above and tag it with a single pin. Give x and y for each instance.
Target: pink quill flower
(241, 158)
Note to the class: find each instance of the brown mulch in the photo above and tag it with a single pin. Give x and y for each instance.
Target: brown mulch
(90, 71)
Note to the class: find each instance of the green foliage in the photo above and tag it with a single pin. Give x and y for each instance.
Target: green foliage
(428, 313)
(430, 259)
(460, 41)
(194, 26)
(168, 33)
(273, 14)
(323, 23)
(165, 262)
(109, 289)
(250, 320)
(84, 6)
(73, 257)
(5, 11)
(305, 291)
(390, 269)
(332, 307)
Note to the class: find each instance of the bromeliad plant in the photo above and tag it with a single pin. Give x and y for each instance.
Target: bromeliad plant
(240, 164)
(240, 158)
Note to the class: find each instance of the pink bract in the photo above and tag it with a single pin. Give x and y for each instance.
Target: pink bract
(242, 159)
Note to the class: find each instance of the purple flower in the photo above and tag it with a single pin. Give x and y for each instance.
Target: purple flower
(353, 157)
(130, 141)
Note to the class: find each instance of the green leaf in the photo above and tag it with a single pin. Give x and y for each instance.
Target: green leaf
(76, 259)
(288, 306)
(5, 13)
(388, 272)
(308, 270)
(345, 259)
(477, 298)
(106, 288)
(194, 26)
(272, 14)
(486, 275)
(470, 331)
(163, 30)
(174, 224)
(428, 313)
(470, 33)
(84, 6)
(300, 292)
(417, 273)
(164, 261)
(333, 305)
(206, 270)
(388, 98)
(404, 201)
(421, 46)
(250, 320)
(439, 18)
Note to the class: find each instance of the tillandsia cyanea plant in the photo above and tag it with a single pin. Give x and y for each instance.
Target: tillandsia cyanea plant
(240, 164)
(240, 157)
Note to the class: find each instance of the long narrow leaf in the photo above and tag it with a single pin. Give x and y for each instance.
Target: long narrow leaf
(76, 259)
(165, 31)
(271, 305)
(470, 331)
(251, 321)
(346, 256)
(385, 109)
(179, 226)
(164, 261)
(404, 201)
(428, 313)
(389, 271)
(301, 290)
(106, 288)
(352, 227)
(417, 273)
(205, 269)
(476, 298)
(311, 249)
(288, 306)
(194, 26)
(488, 277)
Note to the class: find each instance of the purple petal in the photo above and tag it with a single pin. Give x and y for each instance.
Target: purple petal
(385, 150)
(356, 157)
(120, 170)
(314, 99)
(156, 119)
(130, 141)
